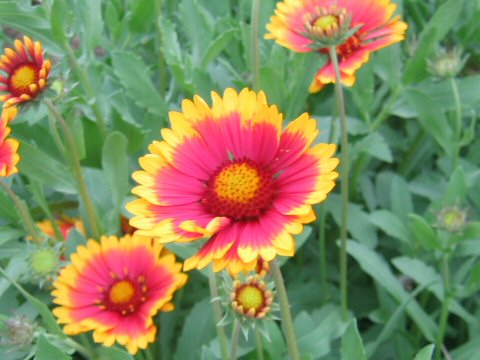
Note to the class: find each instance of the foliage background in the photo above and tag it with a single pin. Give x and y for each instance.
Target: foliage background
(137, 61)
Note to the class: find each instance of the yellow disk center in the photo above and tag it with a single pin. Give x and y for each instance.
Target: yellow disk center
(23, 77)
(250, 297)
(326, 21)
(238, 183)
(121, 292)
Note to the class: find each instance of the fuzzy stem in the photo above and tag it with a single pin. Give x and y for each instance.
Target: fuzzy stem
(458, 121)
(27, 221)
(235, 338)
(286, 315)
(255, 38)
(259, 343)
(442, 326)
(162, 67)
(217, 313)
(323, 254)
(77, 170)
(343, 183)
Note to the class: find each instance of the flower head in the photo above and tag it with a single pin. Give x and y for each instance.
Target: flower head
(18, 332)
(115, 287)
(25, 72)
(9, 157)
(356, 28)
(230, 174)
(452, 219)
(447, 63)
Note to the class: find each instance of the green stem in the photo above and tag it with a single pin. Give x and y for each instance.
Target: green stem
(259, 343)
(286, 315)
(162, 66)
(148, 354)
(235, 338)
(442, 326)
(217, 313)
(77, 170)
(343, 183)
(458, 121)
(27, 222)
(255, 38)
(86, 84)
(323, 254)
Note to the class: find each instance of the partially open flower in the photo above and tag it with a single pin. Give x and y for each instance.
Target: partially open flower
(9, 157)
(65, 225)
(251, 298)
(355, 28)
(25, 72)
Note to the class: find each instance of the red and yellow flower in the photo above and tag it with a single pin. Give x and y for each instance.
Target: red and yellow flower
(25, 72)
(297, 24)
(229, 173)
(9, 157)
(115, 287)
(251, 298)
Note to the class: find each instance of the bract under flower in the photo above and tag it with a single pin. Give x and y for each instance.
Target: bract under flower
(301, 25)
(229, 173)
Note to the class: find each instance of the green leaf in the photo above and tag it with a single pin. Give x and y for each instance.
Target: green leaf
(111, 353)
(374, 265)
(424, 233)
(47, 351)
(40, 166)
(115, 166)
(426, 353)
(456, 191)
(432, 119)
(198, 329)
(352, 345)
(390, 224)
(58, 18)
(216, 47)
(375, 145)
(423, 275)
(437, 28)
(131, 71)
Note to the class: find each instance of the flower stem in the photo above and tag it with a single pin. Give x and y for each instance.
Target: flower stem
(343, 184)
(458, 121)
(235, 338)
(77, 170)
(217, 313)
(86, 84)
(286, 315)
(255, 45)
(323, 254)
(27, 221)
(162, 67)
(259, 343)
(442, 326)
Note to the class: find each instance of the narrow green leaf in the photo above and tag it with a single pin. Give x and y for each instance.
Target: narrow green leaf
(432, 119)
(40, 166)
(424, 233)
(47, 351)
(426, 353)
(352, 344)
(131, 71)
(58, 17)
(390, 224)
(374, 265)
(115, 166)
(216, 47)
(111, 353)
(456, 191)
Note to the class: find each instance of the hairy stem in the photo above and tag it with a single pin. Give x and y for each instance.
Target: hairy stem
(217, 313)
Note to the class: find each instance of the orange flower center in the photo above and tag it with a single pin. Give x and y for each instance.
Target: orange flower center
(241, 190)
(124, 296)
(250, 297)
(21, 79)
(326, 21)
